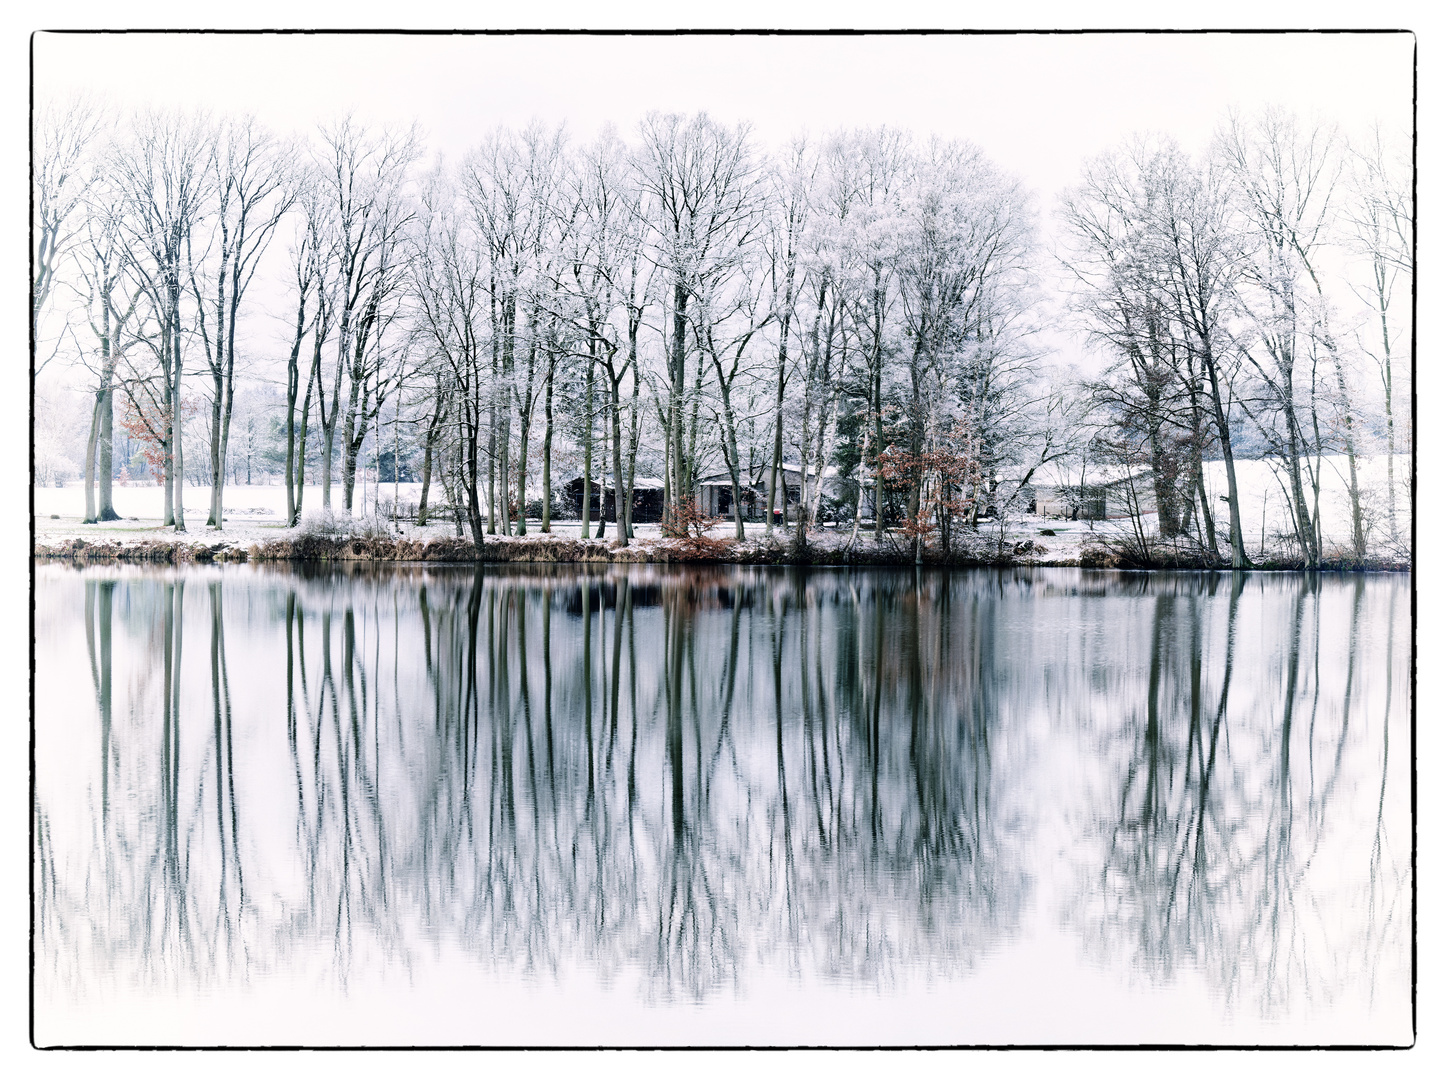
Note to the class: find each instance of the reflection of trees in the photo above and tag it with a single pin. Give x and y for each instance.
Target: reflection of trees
(683, 776)
(678, 774)
(657, 833)
(892, 850)
(1231, 844)
(150, 883)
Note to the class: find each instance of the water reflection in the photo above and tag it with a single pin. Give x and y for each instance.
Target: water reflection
(1230, 836)
(682, 780)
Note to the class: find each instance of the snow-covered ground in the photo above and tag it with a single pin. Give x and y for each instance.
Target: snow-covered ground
(252, 512)
(1263, 503)
(257, 512)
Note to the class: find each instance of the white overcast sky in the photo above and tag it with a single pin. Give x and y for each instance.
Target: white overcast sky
(1037, 104)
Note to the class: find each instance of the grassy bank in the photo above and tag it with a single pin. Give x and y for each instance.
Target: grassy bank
(531, 549)
(1029, 542)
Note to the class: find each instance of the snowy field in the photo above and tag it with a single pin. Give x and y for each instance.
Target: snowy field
(257, 512)
(252, 512)
(1263, 502)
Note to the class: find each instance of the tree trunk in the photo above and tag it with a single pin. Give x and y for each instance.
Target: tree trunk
(491, 469)
(1358, 530)
(525, 423)
(105, 511)
(776, 475)
(681, 489)
(916, 444)
(177, 441)
(621, 500)
(1238, 561)
(426, 483)
(730, 449)
(586, 511)
(602, 495)
(633, 435)
(293, 387)
(349, 442)
(547, 449)
(328, 424)
(301, 432)
(90, 454)
(213, 514)
(1197, 465)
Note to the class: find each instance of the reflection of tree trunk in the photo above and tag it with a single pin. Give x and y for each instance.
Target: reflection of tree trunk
(173, 601)
(808, 717)
(1150, 809)
(502, 705)
(107, 593)
(632, 709)
(912, 630)
(523, 669)
(587, 682)
(1352, 651)
(673, 643)
(615, 681)
(1237, 584)
(1292, 677)
(1378, 841)
(547, 686)
(777, 619)
(470, 691)
(99, 623)
(226, 818)
(875, 813)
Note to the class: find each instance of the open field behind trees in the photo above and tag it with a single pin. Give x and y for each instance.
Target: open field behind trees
(856, 320)
(258, 515)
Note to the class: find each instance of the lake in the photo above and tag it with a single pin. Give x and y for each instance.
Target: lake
(650, 805)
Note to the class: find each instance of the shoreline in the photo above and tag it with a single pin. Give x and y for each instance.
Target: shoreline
(561, 550)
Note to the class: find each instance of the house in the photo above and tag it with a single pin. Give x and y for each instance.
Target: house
(647, 499)
(1097, 494)
(714, 492)
(714, 495)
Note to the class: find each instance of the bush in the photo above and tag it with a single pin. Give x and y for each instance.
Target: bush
(371, 526)
(1128, 553)
(321, 524)
(687, 530)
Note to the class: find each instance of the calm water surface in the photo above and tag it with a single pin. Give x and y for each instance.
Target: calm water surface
(642, 805)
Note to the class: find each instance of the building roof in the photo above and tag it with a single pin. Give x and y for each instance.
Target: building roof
(640, 483)
(788, 467)
(1094, 476)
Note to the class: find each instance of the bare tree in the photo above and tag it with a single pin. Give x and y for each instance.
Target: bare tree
(62, 174)
(788, 207)
(1381, 228)
(702, 186)
(253, 191)
(449, 302)
(1283, 179)
(509, 182)
(361, 177)
(869, 168)
(964, 225)
(725, 323)
(165, 185)
(308, 277)
(110, 304)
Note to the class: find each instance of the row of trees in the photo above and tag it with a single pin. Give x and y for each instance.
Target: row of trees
(685, 303)
(1216, 282)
